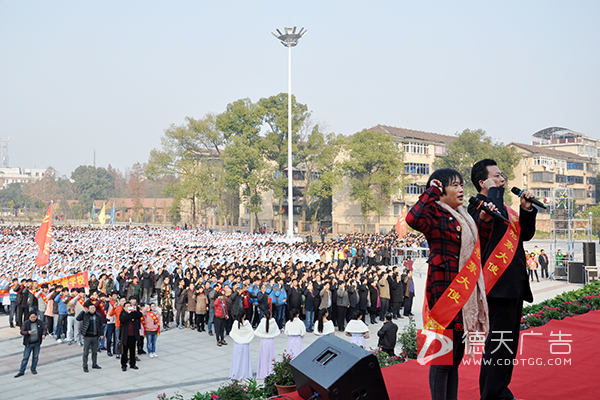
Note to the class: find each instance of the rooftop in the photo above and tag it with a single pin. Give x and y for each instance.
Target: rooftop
(401, 133)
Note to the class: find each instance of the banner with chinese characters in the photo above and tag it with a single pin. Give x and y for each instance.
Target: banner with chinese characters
(78, 281)
(504, 252)
(456, 294)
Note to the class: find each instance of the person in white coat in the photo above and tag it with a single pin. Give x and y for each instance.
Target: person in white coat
(295, 329)
(267, 330)
(324, 325)
(358, 330)
(242, 334)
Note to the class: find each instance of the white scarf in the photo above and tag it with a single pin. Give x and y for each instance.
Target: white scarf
(356, 326)
(261, 330)
(475, 310)
(327, 329)
(243, 334)
(295, 327)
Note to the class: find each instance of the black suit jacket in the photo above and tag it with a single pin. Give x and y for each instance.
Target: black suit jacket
(514, 282)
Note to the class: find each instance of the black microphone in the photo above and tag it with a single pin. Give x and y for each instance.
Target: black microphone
(535, 201)
(480, 204)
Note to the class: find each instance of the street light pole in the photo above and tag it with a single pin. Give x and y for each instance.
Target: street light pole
(289, 40)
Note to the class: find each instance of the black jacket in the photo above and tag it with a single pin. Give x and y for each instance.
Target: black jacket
(26, 327)
(363, 297)
(133, 317)
(514, 281)
(387, 335)
(84, 317)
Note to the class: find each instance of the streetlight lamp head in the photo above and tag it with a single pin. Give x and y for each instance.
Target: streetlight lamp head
(290, 37)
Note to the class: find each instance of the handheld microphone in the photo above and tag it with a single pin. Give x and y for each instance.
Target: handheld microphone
(535, 201)
(495, 214)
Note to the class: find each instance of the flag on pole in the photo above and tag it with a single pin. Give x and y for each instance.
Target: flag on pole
(43, 239)
(112, 216)
(401, 224)
(93, 209)
(102, 215)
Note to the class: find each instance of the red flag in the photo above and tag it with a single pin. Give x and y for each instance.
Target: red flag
(401, 224)
(43, 239)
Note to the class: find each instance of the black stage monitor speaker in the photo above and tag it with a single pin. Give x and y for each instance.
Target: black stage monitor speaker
(338, 370)
(576, 273)
(589, 254)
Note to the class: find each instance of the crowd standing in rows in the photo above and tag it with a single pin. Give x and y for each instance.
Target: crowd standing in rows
(142, 281)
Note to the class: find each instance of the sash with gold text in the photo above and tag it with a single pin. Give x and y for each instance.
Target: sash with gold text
(504, 252)
(456, 294)
(155, 319)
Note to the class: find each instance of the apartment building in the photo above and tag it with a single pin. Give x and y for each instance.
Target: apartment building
(420, 151)
(542, 168)
(19, 175)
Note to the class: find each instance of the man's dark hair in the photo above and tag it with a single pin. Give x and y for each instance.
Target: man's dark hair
(479, 172)
(388, 316)
(445, 175)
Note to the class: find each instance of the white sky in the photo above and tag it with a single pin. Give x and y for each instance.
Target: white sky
(112, 75)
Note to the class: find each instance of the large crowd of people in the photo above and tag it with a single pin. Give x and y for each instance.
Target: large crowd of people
(142, 281)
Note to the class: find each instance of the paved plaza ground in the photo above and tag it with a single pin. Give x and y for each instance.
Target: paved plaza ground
(188, 361)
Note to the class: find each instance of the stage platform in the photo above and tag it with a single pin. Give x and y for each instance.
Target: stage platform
(572, 372)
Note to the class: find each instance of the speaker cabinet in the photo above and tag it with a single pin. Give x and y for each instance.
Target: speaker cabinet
(589, 254)
(338, 370)
(576, 272)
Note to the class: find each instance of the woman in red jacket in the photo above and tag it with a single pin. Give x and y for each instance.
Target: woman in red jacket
(452, 236)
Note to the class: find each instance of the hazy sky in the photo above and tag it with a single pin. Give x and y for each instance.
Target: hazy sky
(112, 75)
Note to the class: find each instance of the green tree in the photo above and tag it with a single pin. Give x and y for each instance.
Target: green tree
(319, 155)
(43, 191)
(185, 149)
(274, 111)
(472, 146)
(93, 183)
(246, 170)
(374, 168)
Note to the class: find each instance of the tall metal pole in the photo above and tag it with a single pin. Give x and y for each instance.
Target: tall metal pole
(290, 39)
(290, 178)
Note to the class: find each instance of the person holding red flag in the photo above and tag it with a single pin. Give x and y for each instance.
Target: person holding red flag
(506, 278)
(455, 241)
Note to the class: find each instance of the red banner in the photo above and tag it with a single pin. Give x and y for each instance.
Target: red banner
(43, 239)
(78, 281)
(401, 224)
(4, 293)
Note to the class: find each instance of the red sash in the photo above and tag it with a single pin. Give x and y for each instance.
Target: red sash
(155, 319)
(80, 300)
(43, 296)
(456, 294)
(504, 253)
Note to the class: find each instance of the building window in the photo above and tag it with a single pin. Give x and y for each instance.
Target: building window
(397, 209)
(575, 165)
(561, 164)
(574, 179)
(579, 193)
(591, 194)
(413, 188)
(315, 175)
(591, 181)
(592, 167)
(416, 148)
(541, 193)
(561, 179)
(416, 168)
(543, 161)
(440, 150)
(543, 177)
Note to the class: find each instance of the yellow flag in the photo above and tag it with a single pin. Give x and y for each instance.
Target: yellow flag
(102, 215)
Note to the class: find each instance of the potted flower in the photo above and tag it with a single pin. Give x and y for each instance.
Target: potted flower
(281, 381)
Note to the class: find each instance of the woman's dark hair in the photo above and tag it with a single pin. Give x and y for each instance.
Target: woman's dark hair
(294, 313)
(268, 317)
(320, 324)
(479, 172)
(445, 175)
(240, 319)
(357, 314)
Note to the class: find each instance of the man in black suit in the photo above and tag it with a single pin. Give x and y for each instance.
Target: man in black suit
(505, 299)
